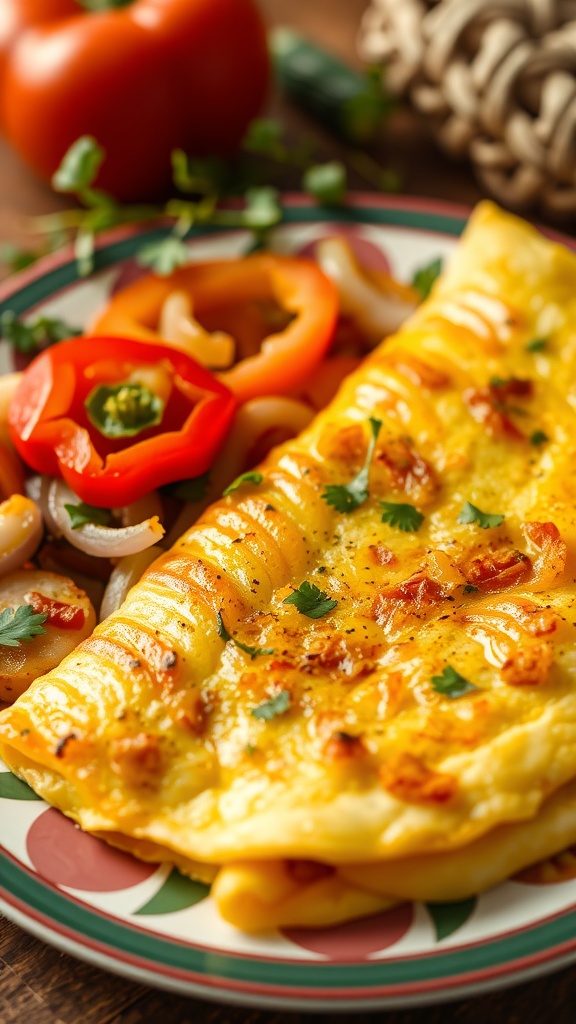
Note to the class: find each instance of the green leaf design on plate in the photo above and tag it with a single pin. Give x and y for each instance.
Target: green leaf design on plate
(177, 893)
(449, 917)
(12, 788)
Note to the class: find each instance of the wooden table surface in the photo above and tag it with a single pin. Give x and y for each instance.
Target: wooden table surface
(39, 985)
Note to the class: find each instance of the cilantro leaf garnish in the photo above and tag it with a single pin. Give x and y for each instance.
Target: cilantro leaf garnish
(79, 166)
(270, 708)
(244, 478)
(309, 600)
(538, 438)
(164, 256)
(347, 497)
(406, 517)
(29, 338)
(469, 588)
(263, 208)
(19, 624)
(536, 345)
(326, 183)
(264, 136)
(81, 514)
(223, 633)
(425, 277)
(451, 684)
(471, 514)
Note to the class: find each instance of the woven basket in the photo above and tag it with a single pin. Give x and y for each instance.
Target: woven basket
(497, 78)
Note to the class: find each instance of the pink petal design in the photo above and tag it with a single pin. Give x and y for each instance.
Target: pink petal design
(356, 940)
(64, 855)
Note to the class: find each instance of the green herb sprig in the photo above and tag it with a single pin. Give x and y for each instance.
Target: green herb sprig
(404, 516)
(30, 338)
(348, 497)
(204, 185)
(254, 652)
(309, 600)
(252, 477)
(270, 709)
(485, 520)
(451, 684)
(425, 277)
(20, 624)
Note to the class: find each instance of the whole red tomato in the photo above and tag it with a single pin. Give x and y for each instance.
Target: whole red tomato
(143, 79)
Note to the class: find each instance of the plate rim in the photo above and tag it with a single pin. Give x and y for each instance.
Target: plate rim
(56, 272)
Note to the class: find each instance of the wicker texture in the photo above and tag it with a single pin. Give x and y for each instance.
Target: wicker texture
(498, 80)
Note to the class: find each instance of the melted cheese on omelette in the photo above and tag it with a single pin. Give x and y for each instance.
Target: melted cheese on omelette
(355, 756)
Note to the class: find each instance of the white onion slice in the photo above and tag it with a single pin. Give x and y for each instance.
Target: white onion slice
(178, 325)
(21, 529)
(102, 541)
(377, 312)
(46, 505)
(124, 576)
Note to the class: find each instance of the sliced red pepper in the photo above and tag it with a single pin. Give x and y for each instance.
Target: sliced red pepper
(286, 357)
(51, 429)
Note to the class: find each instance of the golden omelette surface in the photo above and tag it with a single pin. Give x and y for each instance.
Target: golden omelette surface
(147, 730)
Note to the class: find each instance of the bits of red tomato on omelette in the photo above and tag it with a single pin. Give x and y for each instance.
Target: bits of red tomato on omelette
(488, 410)
(138, 760)
(497, 570)
(407, 778)
(551, 552)
(406, 470)
(399, 604)
(528, 665)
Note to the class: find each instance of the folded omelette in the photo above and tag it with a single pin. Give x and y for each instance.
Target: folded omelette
(353, 681)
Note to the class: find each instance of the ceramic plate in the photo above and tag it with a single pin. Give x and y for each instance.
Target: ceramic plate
(152, 924)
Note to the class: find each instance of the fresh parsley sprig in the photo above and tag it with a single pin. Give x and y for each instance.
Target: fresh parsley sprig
(401, 514)
(536, 345)
(309, 600)
(203, 185)
(252, 477)
(348, 497)
(29, 338)
(271, 708)
(451, 684)
(254, 652)
(426, 276)
(20, 624)
(485, 520)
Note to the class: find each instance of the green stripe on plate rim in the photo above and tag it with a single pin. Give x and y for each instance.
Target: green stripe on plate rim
(86, 923)
(44, 286)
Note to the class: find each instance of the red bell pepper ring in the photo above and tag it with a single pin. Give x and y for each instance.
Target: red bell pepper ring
(286, 357)
(51, 429)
